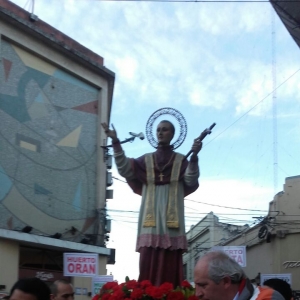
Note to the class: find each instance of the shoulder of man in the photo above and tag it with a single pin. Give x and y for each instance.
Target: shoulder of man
(265, 293)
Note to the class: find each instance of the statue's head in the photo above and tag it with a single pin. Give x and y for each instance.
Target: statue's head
(165, 132)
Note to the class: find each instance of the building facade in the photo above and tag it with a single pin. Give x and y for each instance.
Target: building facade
(203, 236)
(54, 94)
(272, 246)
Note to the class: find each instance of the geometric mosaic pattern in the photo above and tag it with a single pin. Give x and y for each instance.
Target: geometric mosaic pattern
(48, 121)
(72, 139)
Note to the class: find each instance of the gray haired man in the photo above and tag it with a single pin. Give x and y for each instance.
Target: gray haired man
(219, 277)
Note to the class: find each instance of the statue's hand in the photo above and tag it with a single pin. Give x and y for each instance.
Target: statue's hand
(112, 133)
(197, 145)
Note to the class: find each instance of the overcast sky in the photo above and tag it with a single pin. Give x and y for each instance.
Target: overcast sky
(214, 62)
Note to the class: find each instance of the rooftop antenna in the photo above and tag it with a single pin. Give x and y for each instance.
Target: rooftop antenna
(30, 5)
(32, 16)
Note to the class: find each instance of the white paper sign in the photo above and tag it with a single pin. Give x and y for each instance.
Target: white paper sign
(99, 281)
(81, 264)
(285, 277)
(238, 253)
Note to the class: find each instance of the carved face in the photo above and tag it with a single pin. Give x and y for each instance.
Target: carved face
(164, 133)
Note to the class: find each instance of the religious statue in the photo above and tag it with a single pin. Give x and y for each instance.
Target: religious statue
(163, 178)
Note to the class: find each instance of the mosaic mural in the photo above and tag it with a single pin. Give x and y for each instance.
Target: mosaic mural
(48, 127)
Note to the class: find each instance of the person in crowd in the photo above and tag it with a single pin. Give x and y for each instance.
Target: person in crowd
(30, 289)
(163, 178)
(281, 286)
(62, 290)
(219, 277)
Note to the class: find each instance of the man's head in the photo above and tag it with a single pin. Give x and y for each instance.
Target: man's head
(217, 276)
(30, 289)
(280, 286)
(165, 132)
(62, 290)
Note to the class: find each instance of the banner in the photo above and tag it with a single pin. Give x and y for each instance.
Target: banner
(238, 253)
(81, 264)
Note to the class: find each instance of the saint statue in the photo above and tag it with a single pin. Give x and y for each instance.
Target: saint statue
(163, 178)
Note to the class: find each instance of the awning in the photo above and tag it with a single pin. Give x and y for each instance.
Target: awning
(51, 243)
(289, 13)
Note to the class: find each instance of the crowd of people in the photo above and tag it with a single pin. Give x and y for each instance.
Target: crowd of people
(36, 289)
(216, 276)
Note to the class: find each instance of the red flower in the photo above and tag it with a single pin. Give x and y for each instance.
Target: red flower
(120, 286)
(166, 287)
(117, 295)
(145, 283)
(175, 296)
(110, 285)
(106, 297)
(154, 292)
(193, 297)
(186, 284)
(149, 290)
(137, 294)
(133, 290)
(96, 297)
(116, 288)
(132, 284)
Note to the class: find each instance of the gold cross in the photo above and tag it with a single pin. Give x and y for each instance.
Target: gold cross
(161, 175)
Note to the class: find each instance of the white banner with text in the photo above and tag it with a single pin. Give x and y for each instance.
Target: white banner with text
(238, 253)
(81, 264)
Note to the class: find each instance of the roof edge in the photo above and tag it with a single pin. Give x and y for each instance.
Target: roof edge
(37, 240)
(30, 22)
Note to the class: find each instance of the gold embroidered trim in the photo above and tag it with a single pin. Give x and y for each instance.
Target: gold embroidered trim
(172, 210)
(149, 220)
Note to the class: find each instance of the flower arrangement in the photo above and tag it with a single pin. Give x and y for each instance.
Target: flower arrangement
(133, 290)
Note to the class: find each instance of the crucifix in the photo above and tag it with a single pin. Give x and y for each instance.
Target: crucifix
(161, 175)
